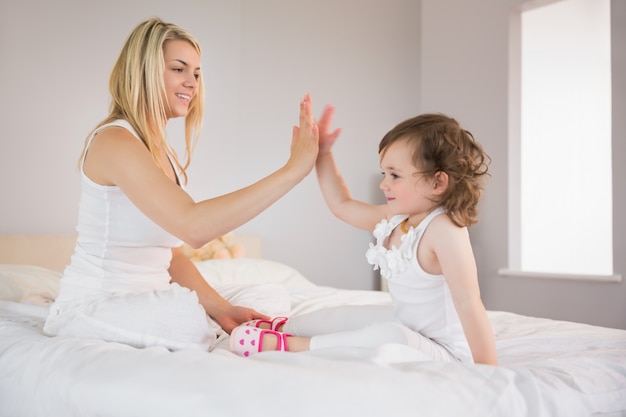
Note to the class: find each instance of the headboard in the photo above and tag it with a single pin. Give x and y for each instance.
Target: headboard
(49, 251)
(54, 251)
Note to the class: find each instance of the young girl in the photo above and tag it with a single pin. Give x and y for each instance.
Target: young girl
(129, 280)
(433, 172)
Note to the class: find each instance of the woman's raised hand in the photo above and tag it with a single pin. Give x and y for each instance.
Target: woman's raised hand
(305, 138)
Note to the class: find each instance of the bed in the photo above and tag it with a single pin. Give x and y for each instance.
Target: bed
(547, 367)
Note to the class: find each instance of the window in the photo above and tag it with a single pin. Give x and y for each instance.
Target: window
(561, 221)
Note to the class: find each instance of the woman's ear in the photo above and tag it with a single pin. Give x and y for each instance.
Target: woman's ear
(440, 183)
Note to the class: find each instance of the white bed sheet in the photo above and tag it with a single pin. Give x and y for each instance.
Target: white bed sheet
(547, 368)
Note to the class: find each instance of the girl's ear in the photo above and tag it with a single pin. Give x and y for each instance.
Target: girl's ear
(440, 183)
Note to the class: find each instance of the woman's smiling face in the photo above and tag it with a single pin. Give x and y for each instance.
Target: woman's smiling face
(181, 74)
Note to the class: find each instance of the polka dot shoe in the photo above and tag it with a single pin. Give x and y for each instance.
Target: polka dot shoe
(247, 340)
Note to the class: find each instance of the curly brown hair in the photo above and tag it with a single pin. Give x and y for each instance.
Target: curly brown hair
(441, 145)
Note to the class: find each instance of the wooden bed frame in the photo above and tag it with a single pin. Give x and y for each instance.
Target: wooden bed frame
(54, 251)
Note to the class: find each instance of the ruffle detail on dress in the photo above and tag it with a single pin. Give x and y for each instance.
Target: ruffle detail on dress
(394, 261)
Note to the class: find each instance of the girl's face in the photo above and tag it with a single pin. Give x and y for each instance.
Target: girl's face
(182, 72)
(406, 190)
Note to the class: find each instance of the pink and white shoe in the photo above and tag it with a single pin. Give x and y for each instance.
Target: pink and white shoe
(247, 340)
(274, 323)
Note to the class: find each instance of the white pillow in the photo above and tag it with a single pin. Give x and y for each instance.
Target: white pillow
(250, 271)
(28, 283)
(238, 280)
(269, 299)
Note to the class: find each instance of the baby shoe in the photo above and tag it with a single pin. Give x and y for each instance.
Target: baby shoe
(247, 340)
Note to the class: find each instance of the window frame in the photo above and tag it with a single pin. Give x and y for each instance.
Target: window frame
(514, 161)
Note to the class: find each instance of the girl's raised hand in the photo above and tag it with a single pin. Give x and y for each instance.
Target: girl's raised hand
(327, 138)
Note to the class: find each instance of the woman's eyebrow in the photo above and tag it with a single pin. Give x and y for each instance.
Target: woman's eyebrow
(184, 63)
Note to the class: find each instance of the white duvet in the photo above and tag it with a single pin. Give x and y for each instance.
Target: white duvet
(547, 368)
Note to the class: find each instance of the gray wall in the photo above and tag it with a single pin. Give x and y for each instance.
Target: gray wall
(464, 72)
(377, 62)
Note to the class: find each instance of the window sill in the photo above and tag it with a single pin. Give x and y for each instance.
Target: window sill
(505, 272)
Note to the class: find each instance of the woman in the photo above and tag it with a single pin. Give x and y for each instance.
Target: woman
(128, 280)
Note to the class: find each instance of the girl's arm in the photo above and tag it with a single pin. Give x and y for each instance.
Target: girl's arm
(452, 250)
(184, 272)
(336, 193)
(116, 157)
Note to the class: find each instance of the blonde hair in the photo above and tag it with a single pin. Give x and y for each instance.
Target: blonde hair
(440, 144)
(137, 85)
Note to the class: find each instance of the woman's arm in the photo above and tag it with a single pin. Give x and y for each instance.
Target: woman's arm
(184, 272)
(334, 189)
(116, 157)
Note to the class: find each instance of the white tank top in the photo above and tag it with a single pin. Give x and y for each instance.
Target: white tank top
(119, 249)
(422, 301)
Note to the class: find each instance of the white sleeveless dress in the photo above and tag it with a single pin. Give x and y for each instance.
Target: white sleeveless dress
(117, 285)
(422, 301)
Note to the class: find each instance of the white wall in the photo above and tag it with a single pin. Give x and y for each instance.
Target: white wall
(362, 57)
(377, 62)
(56, 59)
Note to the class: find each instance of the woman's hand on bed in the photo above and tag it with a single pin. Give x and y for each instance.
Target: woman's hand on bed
(184, 272)
(236, 315)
